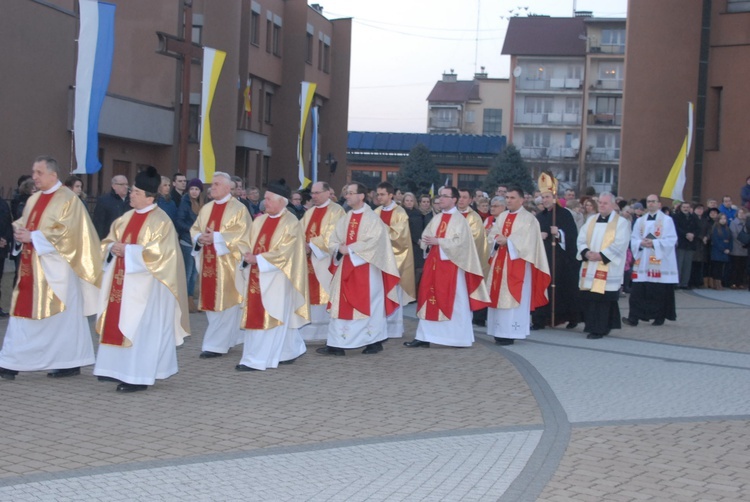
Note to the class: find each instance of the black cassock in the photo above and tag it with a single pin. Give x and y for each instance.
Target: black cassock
(565, 274)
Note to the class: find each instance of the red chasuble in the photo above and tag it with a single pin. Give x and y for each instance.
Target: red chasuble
(111, 334)
(208, 268)
(313, 230)
(355, 281)
(438, 285)
(25, 298)
(516, 268)
(255, 310)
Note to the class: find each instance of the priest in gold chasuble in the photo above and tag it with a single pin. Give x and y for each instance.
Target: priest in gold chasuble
(276, 300)
(519, 274)
(318, 224)
(143, 305)
(221, 235)
(395, 217)
(363, 290)
(58, 282)
(452, 285)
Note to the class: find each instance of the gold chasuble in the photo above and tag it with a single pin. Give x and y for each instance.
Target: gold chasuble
(62, 219)
(154, 231)
(398, 229)
(280, 241)
(508, 275)
(480, 237)
(217, 273)
(437, 289)
(372, 244)
(318, 224)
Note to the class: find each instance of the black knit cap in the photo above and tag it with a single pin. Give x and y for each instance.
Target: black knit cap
(148, 180)
(279, 188)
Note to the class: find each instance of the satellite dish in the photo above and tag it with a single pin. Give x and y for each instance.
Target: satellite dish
(517, 71)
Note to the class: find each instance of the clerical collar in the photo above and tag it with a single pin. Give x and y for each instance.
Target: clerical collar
(451, 210)
(651, 217)
(53, 189)
(325, 204)
(390, 206)
(603, 219)
(359, 211)
(145, 209)
(516, 211)
(465, 211)
(277, 215)
(224, 200)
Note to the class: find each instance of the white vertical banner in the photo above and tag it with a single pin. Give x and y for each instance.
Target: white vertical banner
(314, 142)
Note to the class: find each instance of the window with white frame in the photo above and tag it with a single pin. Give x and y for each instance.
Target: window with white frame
(573, 105)
(610, 71)
(536, 139)
(613, 37)
(575, 71)
(738, 6)
(538, 105)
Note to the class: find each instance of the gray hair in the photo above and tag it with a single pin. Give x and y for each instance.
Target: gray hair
(607, 194)
(498, 200)
(52, 164)
(220, 174)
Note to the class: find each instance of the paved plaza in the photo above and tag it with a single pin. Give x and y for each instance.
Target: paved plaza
(649, 413)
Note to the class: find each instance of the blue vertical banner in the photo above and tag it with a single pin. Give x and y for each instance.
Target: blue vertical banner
(96, 44)
(314, 146)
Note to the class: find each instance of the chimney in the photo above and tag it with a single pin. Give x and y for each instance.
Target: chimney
(583, 13)
(450, 77)
(481, 74)
(317, 7)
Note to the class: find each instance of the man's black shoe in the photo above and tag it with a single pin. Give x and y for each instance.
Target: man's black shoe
(3, 313)
(108, 379)
(373, 348)
(417, 343)
(503, 341)
(571, 325)
(658, 322)
(629, 322)
(594, 336)
(8, 374)
(207, 354)
(288, 361)
(67, 372)
(481, 323)
(242, 367)
(129, 387)
(330, 351)
(536, 327)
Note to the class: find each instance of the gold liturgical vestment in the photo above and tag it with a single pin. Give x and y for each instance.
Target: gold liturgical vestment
(320, 235)
(162, 256)
(372, 245)
(67, 226)
(402, 249)
(235, 230)
(286, 251)
(480, 237)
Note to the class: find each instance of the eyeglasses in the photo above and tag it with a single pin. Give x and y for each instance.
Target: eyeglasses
(120, 184)
(316, 193)
(445, 196)
(651, 201)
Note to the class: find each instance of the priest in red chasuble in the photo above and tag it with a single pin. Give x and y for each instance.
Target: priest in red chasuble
(221, 236)
(363, 290)
(519, 274)
(318, 224)
(395, 217)
(276, 300)
(452, 284)
(144, 309)
(58, 281)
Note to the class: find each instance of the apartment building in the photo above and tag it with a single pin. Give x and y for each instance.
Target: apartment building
(275, 44)
(567, 90)
(479, 106)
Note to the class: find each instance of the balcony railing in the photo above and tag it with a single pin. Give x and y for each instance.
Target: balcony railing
(608, 85)
(607, 49)
(549, 153)
(443, 123)
(605, 119)
(539, 84)
(552, 118)
(598, 154)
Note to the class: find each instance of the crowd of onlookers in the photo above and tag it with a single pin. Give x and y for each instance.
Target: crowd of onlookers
(710, 250)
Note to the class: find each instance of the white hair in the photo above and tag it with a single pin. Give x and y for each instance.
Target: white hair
(219, 174)
(607, 194)
(286, 201)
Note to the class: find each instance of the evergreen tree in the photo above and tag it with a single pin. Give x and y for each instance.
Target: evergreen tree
(509, 168)
(418, 172)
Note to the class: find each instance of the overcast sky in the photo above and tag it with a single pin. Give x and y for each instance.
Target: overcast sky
(400, 48)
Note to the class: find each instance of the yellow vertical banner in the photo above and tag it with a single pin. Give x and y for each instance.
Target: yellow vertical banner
(305, 101)
(213, 60)
(675, 182)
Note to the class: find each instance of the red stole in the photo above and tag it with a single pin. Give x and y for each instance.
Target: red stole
(255, 310)
(208, 265)
(489, 222)
(437, 288)
(355, 281)
(385, 216)
(313, 230)
(389, 281)
(516, 268)
(111, 334)
(25, 298)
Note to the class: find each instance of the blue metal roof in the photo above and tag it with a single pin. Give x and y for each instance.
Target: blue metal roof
(399, 142)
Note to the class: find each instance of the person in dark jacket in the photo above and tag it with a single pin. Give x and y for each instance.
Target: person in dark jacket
(179, 186)
(26, 187)
(190, 206)
(721, 246)
(687, 227)
(111, 206)
(6, 240)
(164, 199)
